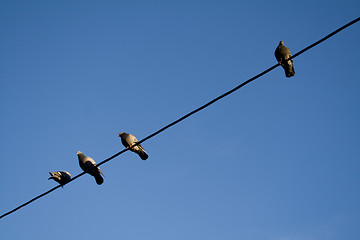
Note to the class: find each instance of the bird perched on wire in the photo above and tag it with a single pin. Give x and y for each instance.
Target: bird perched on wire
(129, 140)
(282, 55)
(61, 177)
(88, 165)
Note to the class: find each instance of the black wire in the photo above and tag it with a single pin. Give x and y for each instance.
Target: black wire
(193, 112)
(326, 37)
(234, 89)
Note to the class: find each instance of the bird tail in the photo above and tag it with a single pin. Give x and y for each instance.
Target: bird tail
(292, 71)
(289, 69)
(99, 179)
(143, 155)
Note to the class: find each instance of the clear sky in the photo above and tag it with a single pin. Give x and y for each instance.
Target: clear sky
(277, 160)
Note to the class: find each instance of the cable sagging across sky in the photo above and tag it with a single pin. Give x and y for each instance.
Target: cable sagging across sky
(192, 112)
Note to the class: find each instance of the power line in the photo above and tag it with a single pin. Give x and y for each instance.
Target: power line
(191, 113)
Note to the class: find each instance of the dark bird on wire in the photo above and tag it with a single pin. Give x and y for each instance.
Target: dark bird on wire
(61, 177)
(128, 140)
(88, 165)
(282, 53)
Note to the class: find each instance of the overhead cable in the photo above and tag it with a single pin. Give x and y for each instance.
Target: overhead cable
(192, 112)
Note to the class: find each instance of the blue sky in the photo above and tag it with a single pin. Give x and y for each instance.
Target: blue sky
(277, 160)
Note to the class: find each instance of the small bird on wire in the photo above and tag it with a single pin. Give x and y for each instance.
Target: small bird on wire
(88, 165)
(61, 177)
(129, 140)
(282, 55)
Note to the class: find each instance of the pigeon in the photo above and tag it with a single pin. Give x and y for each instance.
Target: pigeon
(88, 165)
(61, 177)
(282, 53)
(128, 140)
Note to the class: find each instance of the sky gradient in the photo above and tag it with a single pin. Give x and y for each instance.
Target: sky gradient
(276, 160)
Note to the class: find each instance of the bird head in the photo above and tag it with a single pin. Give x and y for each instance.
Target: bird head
(120, 134)
(55, 175)
(281, 43)
(61, 177)
(80, 155)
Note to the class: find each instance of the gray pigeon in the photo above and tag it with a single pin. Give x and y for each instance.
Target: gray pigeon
(88, 165)
(128, 140)
(61, 177)
(282, 53)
